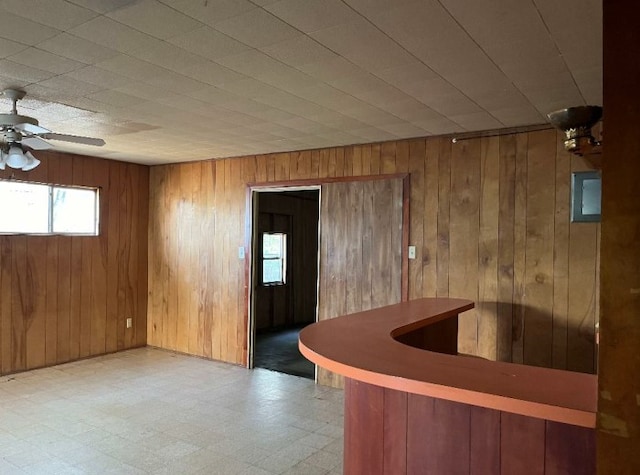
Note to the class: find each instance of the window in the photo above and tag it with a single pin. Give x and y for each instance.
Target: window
(274, 258)
(36, 208)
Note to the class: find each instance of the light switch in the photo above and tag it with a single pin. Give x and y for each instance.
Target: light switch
(241, 252)
(412, 252)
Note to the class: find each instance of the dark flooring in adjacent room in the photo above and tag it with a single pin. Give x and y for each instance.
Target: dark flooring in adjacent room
(278, 351)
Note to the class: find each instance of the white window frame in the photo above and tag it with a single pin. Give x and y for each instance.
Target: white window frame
(282, 259)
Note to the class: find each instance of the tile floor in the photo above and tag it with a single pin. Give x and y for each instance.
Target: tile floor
(278, 351)
(150, 411)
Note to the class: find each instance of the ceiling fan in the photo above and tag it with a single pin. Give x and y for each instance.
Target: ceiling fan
(17, 131)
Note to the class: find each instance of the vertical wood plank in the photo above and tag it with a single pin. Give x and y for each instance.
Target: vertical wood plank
(382, 236)
(207, 314)
(366, 159)
(506, 218)
(388, 157)
(569, 450)
(217, 312)
(364, 415)
(348, 161)
(395, 420)
(142, 241)
(484, 445)
(157, 261)
(488, 248)
(368, 231)
(354, 264)
(463, 241)
(332, 163)
(240, 328)
(519, 248)
(323, 163)
(314, 171)
(438, 436)
(402, 156)
(113, 250)
(356, 166)
(281, 166)
(171, 225)
(561, 255)
(444, 191)
(184, 278)
(6, 294)
(130, 266)
(418, 213)
(538, 324)
(340, 161)
(88, 250)
(20, 306)
(397, 242)
(431, 215)
(195, 339)
(375, 160)
(522, 444)
(581, 310)
(99, 256)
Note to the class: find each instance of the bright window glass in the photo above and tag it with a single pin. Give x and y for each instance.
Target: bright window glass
(74, 210)
(25, 207)
(35, 208)
(274, 258)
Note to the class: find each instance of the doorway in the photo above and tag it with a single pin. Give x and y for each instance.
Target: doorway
(284, 276)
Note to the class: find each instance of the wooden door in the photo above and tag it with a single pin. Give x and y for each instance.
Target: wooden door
(360, 250)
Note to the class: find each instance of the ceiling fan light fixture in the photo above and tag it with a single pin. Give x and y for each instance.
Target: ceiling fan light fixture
(15, 157)
(18, 159)
(32, 162)
(576, 123)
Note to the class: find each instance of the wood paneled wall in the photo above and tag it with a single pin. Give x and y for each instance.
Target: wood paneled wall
(489, 217)
(63, 298)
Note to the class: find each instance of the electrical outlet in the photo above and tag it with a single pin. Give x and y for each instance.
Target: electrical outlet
(129, 322)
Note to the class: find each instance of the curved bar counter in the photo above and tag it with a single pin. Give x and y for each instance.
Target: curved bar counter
(401, 365)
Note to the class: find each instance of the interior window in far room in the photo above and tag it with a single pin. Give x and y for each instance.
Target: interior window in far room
(274, 258)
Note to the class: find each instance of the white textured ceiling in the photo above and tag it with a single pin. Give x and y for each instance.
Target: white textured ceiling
(179, 80)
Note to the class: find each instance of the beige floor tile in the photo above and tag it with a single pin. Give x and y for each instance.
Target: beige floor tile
(151, 411)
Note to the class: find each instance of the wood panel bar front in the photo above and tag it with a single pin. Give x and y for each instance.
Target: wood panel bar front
(394, 432)
(411, 410)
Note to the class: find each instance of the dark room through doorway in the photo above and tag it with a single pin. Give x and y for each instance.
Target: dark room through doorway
(285, 277)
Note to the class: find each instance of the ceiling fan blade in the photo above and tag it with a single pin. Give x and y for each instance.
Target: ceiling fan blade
(31, 128)
(74, 139)
(36, 143)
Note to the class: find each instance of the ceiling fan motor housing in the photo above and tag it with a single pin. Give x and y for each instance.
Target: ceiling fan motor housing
(576, 123)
